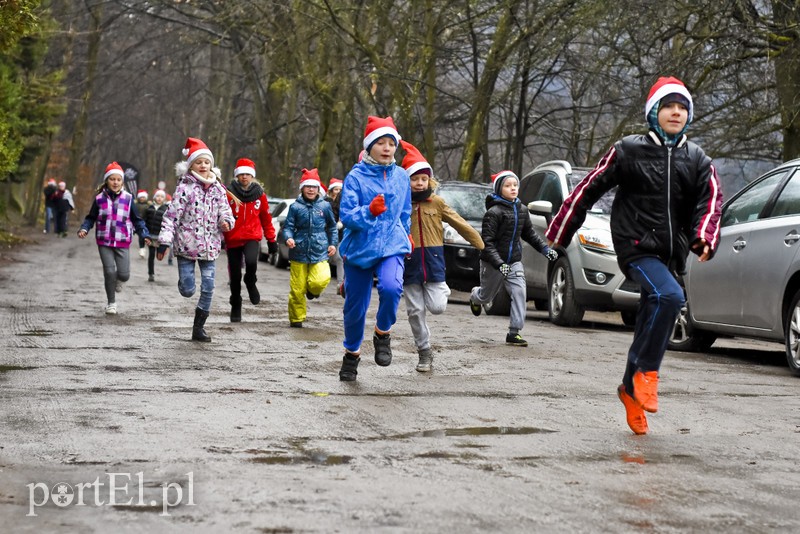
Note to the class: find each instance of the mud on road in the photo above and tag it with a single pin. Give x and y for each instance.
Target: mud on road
(121, 424)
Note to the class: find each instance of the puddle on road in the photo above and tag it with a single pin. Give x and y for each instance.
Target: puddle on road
(35, 332)
(310, 457)
(474, 431)
(6, 368)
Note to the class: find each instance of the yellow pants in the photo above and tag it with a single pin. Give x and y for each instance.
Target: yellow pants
(311, 277)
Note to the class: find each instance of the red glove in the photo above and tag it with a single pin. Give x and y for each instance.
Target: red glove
(411, 239)
(377, 206)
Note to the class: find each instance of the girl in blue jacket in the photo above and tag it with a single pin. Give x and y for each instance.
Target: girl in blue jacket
(376, 213)
(311, 236)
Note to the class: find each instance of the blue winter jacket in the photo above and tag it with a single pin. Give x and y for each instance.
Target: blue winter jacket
(368, 239)
(312, 226)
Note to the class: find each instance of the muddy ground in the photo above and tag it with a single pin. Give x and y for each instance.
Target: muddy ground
(104, 418)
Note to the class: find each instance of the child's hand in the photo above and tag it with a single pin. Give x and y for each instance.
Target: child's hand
(290, 243)
(147, 241)
(331, 250)
(377, 206)
(162, 249)
(272, 247)
(504, 269)
(81, 233)
(225, 227)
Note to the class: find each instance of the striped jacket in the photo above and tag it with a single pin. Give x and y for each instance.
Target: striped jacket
(668, 198)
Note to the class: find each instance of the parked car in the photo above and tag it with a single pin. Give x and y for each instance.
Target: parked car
(751, 288)
(462, 260)
(263, 251)
(281, 258)
(586, 275)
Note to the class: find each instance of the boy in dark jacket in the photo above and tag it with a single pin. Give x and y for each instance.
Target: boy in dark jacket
(505, 223)
(311, 236)
(152, 218)
(667, 203)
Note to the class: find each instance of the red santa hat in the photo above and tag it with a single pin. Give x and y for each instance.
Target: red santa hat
(310, 177)
(378, 127)
(335, 182)
(667, 86)
(51, 181)
(499, 178)
(414, 162)
(245, 166)
(141, 193)
(113, 168)
(160, 192)
(194, 149)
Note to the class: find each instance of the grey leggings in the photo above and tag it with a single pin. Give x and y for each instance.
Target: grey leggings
(116, 266)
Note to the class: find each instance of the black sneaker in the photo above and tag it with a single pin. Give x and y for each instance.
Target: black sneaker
(349, 370)
(515, 340)
(298, 324)
(475, 308)
(310, 295)
(383, 349)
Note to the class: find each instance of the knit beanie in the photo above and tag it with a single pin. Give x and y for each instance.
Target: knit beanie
(499, 178)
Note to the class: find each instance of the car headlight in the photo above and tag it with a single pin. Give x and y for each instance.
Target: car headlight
(451, 237)
(596, 240)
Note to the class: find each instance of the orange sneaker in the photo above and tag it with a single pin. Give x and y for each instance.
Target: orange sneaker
(645, 390)
(637, 420)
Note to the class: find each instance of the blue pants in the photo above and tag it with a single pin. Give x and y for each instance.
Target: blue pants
(358, 292)
(186, 284)
(659, 306)
(49, 217)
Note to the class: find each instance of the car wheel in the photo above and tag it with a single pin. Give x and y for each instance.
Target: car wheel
(500, 304)
(628, 317)
(564, 311)
(273, 258)
(281, 262)
(792, 334)
(686, 337)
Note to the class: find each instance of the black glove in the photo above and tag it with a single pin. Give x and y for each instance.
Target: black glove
(550, 254)
(504, 269)
(272, 247)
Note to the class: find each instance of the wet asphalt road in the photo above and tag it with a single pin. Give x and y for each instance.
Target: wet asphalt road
(121, 424)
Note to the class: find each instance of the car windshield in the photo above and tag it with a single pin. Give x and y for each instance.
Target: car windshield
(601, 206)
(469, 201)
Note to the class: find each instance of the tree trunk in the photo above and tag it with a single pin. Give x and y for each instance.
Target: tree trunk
(79, 133)
(787, 76)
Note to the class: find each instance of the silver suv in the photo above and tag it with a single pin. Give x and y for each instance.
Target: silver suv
(586, 275)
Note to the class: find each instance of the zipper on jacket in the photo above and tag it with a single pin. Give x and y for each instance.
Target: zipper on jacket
(669, 200)
(514, 235)
(421, 243)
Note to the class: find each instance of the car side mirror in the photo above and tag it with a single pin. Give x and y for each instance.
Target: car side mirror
(543, 208)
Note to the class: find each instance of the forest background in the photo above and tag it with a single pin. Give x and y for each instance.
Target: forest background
(477, 85)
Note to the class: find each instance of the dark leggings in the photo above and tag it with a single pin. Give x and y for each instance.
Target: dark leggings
(248, 252)
(151, 260)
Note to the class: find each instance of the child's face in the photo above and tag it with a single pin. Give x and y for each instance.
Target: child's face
(672, 117)
(334, 192)
(419, 182)
(159, 199)
(383, 150)
(510, 189)
(114, 183)
(244, 179)
(202, 166)
(310, 192)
